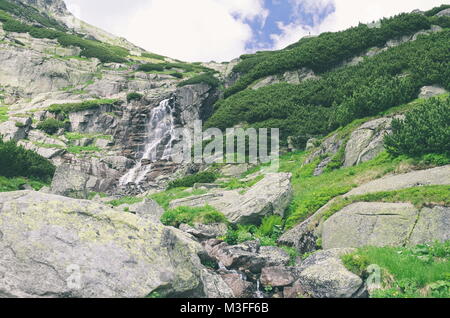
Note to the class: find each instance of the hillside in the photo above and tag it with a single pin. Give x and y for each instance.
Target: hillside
(89, 169)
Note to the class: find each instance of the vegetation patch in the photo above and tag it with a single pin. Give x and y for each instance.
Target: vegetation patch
(164, 198)
(267, 233)
(134, 96)
(207, 78)
(189, 181)
(16, 161)
(425, 130)
(16, 184)
(413, 272)
(51, 126)
(191, 215)
(81, 106)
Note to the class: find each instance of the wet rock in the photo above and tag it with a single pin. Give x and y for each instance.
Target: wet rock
(277, 276)
(240, 287)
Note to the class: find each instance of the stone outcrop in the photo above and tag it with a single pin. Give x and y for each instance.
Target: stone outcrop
(323, 275)
(431, 91)
(271, 195)
(77, 248)
(305, 235)
(435, 176)
(367, 141)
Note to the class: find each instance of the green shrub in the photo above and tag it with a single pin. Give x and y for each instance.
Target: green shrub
(16, 161)
(151, 67)
(81, 106)
(419, 271)
(425, 130)
(176, 74)
(190, 215)
(153, 56)
(189, 181)
(207, 78)
(51, 126)
(134, 96)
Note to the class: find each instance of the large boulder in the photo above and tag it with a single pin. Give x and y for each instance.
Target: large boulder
(370, 223)
(367, 141)
(53, 246)
(323, 275)
(271, 195)
(431, 91)
(385, 224)
(70, 182)
(444, 13)
(435, 176)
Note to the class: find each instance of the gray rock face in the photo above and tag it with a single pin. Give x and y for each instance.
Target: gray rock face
(435, 176)
(239, 287)
(385, 224)
(271, 195)
(291, 77)
(205, 231)
(444, 13)
(370, 223)
(433, 224)
(431, 91)
(215, 286)
(70, 183)
(77, 248)
(147, 209)
(367, 141)
(277, 276)
(323, 275)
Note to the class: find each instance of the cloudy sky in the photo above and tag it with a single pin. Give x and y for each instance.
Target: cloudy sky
(220, 30)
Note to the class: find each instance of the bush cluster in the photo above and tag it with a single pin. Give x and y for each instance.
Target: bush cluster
(16, 161)
(189, 181)
(134, 96)
(425, 130)
(51, 126)
(190, 215)
(77, 107)
(207, 78)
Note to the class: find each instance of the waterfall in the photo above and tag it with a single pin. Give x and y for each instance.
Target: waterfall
(160, 128)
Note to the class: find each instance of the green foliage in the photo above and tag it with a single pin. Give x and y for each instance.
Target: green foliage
(15, 184)
(267, 233)
(30, 14)
(153, 56)
(424, 130)
(82, 149)
(16, 161)
(51, 126)
(189, 181)
(164, 198)
(176, 74)
(235, 183)
(106, 53)
(325, 51)
(81, 106)
(151, 67)
(436, 10)
(317, 107)
(125, 200)
(134, 96)
(189, 215)
(420, 271)
(207, 78)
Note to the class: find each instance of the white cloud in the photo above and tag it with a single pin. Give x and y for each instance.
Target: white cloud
(348, 13)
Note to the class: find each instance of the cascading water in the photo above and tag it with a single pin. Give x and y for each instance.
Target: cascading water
(159, 139)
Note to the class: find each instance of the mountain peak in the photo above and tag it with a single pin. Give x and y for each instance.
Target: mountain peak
(54, 7)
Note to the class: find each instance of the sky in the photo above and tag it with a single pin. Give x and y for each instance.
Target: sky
(221, 30)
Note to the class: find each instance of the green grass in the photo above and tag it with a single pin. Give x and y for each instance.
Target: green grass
(164, 198)
(189, 181)
(236, 183)
(4, 113)
(81, 106)
(207, 78)
(82, 149)
(421, 271)
(153, 56)
(15, 184)
(73, 136)
(419, 196)
(190, 215)
(125, 200)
